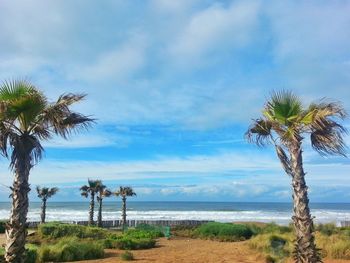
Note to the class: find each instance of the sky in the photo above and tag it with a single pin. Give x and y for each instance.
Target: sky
(173, 86)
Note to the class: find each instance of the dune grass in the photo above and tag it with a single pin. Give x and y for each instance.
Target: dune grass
(70, 249)
(333, 241)
(57, 230)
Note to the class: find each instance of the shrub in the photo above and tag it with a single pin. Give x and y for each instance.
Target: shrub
(184, 231)
(223, 231)
(277, 246)
(327, 229)
(127, 256)
(154, 230)
(269, 259)
(70, 249)
(336, 246)
(2, 227)
(57, 230)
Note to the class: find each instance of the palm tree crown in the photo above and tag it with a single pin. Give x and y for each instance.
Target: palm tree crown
(285, 120)
(92, 187)
(103, 192)
(46, 192)
(25, 113)
(125, 191)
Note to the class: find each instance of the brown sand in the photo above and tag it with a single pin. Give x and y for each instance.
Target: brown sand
(190, 251)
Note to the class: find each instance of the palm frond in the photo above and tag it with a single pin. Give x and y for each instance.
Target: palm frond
(284, 107)
(259, 132)
(285, 161)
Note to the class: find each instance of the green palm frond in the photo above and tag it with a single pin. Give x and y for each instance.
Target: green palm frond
(26, 118)
(283, 107)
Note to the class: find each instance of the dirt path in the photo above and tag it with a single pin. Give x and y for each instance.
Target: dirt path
(191, 251)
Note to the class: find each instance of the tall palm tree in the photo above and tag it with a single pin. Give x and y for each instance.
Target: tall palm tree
(91, 189)
(124, 192)
(101, 193)
(284, 123)
(27, 119)
(45, 193)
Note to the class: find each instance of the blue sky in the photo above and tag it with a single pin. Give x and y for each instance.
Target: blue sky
(174, 85)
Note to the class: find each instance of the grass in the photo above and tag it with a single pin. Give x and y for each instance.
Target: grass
(127, 256)
(57, 230)
(278, 245)
(131, 239)
(70, 249)
(223, 231)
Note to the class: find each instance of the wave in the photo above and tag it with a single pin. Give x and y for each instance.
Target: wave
(321, 215)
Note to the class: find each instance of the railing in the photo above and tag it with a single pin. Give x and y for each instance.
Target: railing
(134, 223)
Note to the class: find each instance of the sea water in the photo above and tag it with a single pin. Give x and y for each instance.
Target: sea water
(217, 211)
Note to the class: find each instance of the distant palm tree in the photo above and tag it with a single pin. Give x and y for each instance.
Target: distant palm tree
(124, 192)
(27, 119)
(284, 123)
(45, 193)
(91, 189)
(101, 193)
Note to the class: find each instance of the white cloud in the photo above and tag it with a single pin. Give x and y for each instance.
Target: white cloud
(213, 28)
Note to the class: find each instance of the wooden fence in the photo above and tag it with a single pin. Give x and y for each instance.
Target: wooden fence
(134, 223)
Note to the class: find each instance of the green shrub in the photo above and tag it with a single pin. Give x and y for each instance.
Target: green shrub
(223, 231)
(155, 231)
(70, 249)
(57, 230)
(2, 226)
(127, 256)
(327, 229)
(31, 253)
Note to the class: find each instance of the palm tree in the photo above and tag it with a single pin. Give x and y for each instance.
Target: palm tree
(91, 189)
(27, 119)
(101, 193)
(45, 193)
(284, 123)
(124, 192)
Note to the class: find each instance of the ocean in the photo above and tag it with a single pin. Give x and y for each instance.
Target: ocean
(217, 211)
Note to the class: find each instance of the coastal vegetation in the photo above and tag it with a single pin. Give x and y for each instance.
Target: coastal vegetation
(45, 193)
(27, 119)
(124, 192)
(284, 124)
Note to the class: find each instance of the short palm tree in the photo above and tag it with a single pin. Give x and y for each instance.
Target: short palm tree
(124, 192)
(45, 193)
(91, 189)
(102, 193)
(284, 123)
(27, 119)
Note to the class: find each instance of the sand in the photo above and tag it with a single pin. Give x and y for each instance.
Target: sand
(190, 251)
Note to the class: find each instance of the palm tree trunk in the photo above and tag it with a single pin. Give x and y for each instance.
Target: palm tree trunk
(124, 212)
(16, 230)
(43, 211)
(99, 216)
(92, 208)
(305, 248)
